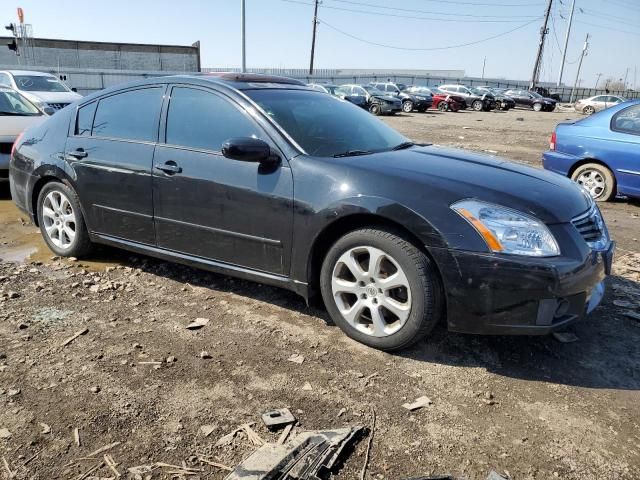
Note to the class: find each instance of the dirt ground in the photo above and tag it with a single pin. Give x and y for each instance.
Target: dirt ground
(527, 407)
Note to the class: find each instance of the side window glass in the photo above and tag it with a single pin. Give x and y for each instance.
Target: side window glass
(132, 115)
(628, 120)
(84, 119)
(203, 120)
(4, 79)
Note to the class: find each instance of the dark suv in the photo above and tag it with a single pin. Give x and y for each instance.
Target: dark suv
(410, 101)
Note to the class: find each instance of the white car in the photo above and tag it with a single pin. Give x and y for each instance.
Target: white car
(595, 104)
(40, 88)
(16, 114)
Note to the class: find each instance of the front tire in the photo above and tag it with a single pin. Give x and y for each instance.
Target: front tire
(537, 107)
(375, 109)
(443, 106)
(61, 222)
(477, 105)
(588, 110)
(380, 289)
(597, 180)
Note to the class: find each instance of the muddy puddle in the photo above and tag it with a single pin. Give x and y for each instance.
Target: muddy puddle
(21, 241)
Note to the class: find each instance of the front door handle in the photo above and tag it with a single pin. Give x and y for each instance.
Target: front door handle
(170, 168)
(79, 153)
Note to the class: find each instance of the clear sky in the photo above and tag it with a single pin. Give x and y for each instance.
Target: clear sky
(279, 32)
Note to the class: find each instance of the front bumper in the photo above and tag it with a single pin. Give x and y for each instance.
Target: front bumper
(503, 295)
(422, 104)
(391, 107)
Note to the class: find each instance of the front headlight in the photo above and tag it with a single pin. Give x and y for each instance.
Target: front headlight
(508, 231)
(420, 97)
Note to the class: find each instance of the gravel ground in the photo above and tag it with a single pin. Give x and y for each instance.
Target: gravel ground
(531, 408)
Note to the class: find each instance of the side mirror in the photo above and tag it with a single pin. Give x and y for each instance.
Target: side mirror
(49, 110)
(247, 149)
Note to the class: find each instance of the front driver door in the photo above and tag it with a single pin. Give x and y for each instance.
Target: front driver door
(212, 207)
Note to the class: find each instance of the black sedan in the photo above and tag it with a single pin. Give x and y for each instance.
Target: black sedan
(503, 102)
(339, 92)
(265, 179)
(537, 102)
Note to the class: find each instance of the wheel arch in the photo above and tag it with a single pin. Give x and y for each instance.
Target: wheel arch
(585, 161)
(345, 224)
(47, 175)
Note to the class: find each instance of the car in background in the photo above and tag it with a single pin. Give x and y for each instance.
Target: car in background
(16, 114)
(595, 104)
(377, 102)
(537, 102)
(503, 102)
(440, 100)
(410, 101)
(265, 179)
(337, 91)
(476, 99)
(545, 92)
(600, 152)
(40, 88)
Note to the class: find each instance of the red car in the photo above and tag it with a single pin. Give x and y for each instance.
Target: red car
(443, 101)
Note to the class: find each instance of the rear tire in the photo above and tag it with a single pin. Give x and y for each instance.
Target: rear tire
(407, 106)
(477, 105)
(61, 222)
(597, 179)
(588, 110)
(387, 316)
(443, 106)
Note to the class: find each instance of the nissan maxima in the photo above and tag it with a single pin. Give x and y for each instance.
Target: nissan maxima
(266, 179)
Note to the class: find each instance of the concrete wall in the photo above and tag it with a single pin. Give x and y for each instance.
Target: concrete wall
(65, 54)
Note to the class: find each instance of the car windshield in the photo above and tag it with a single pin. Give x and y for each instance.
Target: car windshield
(477, 91)
(39, 83)
(12, 103)
(423, 90)
(373, 90)
(324, 125)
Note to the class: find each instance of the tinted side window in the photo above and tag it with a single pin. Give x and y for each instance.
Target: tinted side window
(200, 119)
(132, 115)
(5, 80)
(84, 120)
(627, 120)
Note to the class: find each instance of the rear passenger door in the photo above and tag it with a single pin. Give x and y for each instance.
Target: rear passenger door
(213, 207)
(110, 149)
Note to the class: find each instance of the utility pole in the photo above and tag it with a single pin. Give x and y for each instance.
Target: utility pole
(626, 74)
(598, 80)
(566, 42)
(543, 33)
(582, 55)
(313, 38)
(244, 36)
(484, 63)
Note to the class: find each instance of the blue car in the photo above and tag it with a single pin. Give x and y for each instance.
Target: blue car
(600, 152)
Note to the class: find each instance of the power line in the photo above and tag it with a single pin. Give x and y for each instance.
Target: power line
(625, 5)
(486, 4)
(413, 17)
(607, 28)
(430, 48)
(364, 4)
(606, 18)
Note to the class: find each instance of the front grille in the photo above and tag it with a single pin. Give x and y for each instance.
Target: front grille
(57, 106)
(5, 148)
(590, 225)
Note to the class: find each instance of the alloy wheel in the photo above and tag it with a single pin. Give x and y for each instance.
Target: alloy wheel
(59, 219)
(588, 110)
(371, 291)
(593, 182)
(407, 107)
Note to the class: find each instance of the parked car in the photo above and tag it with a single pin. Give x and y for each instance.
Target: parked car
(16, 114)
(474, 98)
(410, 101)
(552, 94)
(503, 102)
(265, 179)
(339, 92)
(440, 100)
(537, 102)
(377, 102)
(40, 88)
(600, 152)
(591, 105)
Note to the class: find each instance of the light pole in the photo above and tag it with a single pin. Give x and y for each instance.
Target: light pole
(244, 34)
(566, 42)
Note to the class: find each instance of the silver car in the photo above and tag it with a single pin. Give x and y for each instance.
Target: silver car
(597, 103)
(40, 88)
(16, 114)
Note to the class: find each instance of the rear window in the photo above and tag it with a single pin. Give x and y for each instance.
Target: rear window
(84, 120)
(131, 115)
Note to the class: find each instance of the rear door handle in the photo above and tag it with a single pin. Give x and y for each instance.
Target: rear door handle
(170, 168)
(79, 153)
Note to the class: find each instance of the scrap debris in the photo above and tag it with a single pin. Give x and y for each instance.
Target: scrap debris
(276, 419)
(372, 431)
(285, 434)
(419, 403)
(296, 358)
(79, 333)
(310, 455)
(197, 324)
(252, 436)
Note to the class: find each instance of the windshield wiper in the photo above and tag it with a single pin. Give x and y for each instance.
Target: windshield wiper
(403, 145)
(18, 114)
(352, 153)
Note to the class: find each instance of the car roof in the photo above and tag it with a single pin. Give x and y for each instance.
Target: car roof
(28, 72)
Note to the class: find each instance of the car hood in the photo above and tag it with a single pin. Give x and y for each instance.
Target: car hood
(453, 174)
(52, 97)
(549, 100)
(13, 125)
(387, 98)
